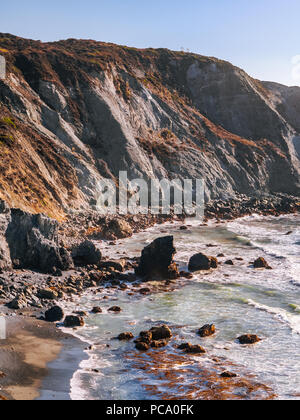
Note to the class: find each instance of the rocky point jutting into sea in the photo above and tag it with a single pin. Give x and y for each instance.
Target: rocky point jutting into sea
(170, 307)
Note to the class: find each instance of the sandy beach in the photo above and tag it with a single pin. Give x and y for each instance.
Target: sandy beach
(25, 356)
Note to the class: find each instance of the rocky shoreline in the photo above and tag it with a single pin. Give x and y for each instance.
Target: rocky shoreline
(42, 261)
(44, 264)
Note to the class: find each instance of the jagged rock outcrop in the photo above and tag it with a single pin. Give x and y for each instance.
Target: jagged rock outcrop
(86, 253)
(5, 260)
(157, 260)
(75, 111)
(31, 241)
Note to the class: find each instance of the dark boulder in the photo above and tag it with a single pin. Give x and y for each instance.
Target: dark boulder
(33, 242)
(249, 339)
(161, 333)
(72, 321)
(145, 337)
(127, 336)
(81, 313)
(115, 309)
(207, 330)
(157, 337)
(228, 375)
(158, 344)
(97, 310)
(203, 262)
(55, 314)
(145, 291)
(141, 346)
(186, 275)
(87, 253)
(47, 294)
(261, 263)
(184, 346)
(195, 349)
(157, 260)
(119, 265)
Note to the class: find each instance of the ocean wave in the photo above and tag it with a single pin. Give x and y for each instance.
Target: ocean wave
(293, 321)
(270, 236)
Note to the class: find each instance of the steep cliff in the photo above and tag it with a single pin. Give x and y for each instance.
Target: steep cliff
(75, 111)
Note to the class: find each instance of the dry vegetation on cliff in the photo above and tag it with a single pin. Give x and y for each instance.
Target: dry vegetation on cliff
(74, 111)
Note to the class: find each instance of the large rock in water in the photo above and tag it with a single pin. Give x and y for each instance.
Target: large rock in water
(87, 253)
(261, 263)
(157, 260)
(207, 330)
(72, 321)
(249, 339)
(160, 333)
(33, 242)
(202, 262)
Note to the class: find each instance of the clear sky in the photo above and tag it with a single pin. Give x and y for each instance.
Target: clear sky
(261, 36)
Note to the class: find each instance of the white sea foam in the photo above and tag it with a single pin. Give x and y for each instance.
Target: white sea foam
(282, 315)
(278, 238)
(251, 237)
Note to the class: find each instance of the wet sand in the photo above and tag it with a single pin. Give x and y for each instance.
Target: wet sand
(25, 355)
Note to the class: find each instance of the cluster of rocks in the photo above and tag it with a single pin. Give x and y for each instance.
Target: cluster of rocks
(159, 337)
(156, 337)
(26, 289)
(31, 248)
(75, 320)
(157, 262)
(89, 225)
(37, 290)
(56, 314)
(34, 241)
(38, 243)
(79, 226)
(274, 205)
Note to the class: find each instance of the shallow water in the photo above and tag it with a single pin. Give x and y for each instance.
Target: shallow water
(236, 299)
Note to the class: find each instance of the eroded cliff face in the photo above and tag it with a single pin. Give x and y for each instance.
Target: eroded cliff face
(73, 112)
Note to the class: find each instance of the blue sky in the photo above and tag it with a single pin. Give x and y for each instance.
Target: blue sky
(261, 36)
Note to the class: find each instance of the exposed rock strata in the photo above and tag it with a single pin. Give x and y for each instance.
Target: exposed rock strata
(75, 112)
(31, 241)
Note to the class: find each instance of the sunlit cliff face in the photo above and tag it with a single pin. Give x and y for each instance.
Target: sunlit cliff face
(74, 112)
